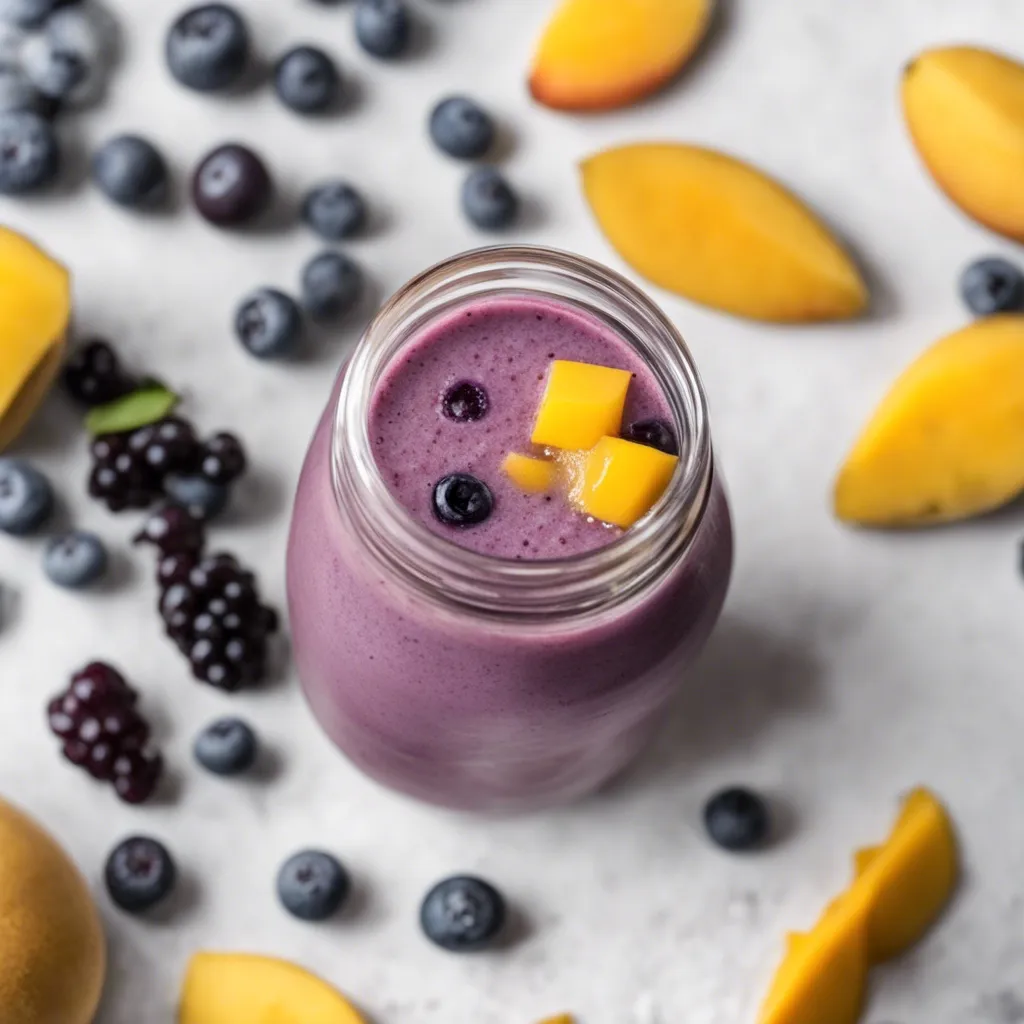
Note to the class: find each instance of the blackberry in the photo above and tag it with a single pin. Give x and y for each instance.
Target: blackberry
(223, 459)
(103, 732)
(121, 476)
(172, 529)
(93, 375)
(170, 446)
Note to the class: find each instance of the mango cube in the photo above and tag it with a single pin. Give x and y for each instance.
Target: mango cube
(622, 480)
(535, 476)
(581, 404)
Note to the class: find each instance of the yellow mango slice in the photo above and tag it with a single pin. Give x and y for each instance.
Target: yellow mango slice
(947, 441)
(964, 107)
(721, 233)
(600, 54)
(535, 476)
(622, 480)
(582, 402)
(35, 307)
(907, 882)
(565, 1018)
(239, 988)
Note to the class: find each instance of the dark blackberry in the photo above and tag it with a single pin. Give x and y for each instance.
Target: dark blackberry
(223, 458)
(93, 375)
(102, 731)
(120, 476)
(174, 568)
(172, 529)
(170, 446)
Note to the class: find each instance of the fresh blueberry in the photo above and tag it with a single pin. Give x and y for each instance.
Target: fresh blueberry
(75, 560)
(655, 434)
(231, 186)
(334, 210)
(382, 27)
(130, 171)
(207, 48)
(29, 153)
(462, 500)
(140, 872)
(53, 70)
(87, 35)
(465, 402)
(26, 498)
(312, 885)
(737, 819)
(462, 914)
(204, 498)
(28, 13)
(992, 285)
(331, 285)
(268, 323)
(488, 200)
(461, 128)
(18, 94)
(226, 747)
(307, 80)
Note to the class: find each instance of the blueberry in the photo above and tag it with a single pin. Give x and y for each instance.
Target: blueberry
(268, 323)
(307, 80)
(737, 819)
(461, 128)
(231, 186)
(382, 27)
(312, 885)
(462, 914)
(17, 93)
(29, 153)
(334, 210)
(992, 285)
(26, 498)
(226, 747)
(465, 402)
(140, 872)
(75, 560)
(207, 48)
(655, 434)
(87, 34)
(331, 285)
(28, 13)
(204, 498)
(462, 500)
(53, 70)
(130, 171)
(488, 200)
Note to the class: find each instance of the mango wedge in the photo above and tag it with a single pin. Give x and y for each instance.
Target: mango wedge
(721, 233)
(529, 474)
(600, 54)
(964, 107)
(946, 443)
(239, 988)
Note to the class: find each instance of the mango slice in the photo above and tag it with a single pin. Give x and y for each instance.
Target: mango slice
(35, 307)
(582, 402)
(535, 476)
(565, 1018)
(964, 107)
(600, 54)
(239, 988)
(622, 480)
(721, 233)
(946, 443)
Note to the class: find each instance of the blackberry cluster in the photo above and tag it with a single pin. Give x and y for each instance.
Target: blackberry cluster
(97, 719)
(210, 605)
(93, 375)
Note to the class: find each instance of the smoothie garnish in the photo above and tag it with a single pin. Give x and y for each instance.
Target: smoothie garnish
(581, 404)
(655, 433)
(533, 475)
(462, 500)
(465, 402)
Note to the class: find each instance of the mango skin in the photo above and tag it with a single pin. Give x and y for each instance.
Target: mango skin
(601, 54)
(52, 949)
(947, 441)
(964, 107)
(719, 232)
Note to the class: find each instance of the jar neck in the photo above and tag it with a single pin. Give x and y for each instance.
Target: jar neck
(517, 590)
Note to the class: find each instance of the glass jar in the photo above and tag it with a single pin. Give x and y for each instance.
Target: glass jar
(485, 683)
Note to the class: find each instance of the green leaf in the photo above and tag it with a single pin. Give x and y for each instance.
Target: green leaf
(139, 409)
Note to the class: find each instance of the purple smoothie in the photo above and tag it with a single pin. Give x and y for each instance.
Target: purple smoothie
(505, 346)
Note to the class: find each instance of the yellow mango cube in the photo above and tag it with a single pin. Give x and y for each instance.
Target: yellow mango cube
(622, 480)
(535, 476)
(581, 404)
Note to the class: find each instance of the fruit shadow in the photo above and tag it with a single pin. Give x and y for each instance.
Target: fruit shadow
(321, 343)
(122, 572)
(10, 608)
(258, 497)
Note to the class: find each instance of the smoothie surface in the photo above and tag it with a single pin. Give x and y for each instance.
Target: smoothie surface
(505, 345)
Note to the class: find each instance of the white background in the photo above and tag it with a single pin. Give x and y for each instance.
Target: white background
(847, 668)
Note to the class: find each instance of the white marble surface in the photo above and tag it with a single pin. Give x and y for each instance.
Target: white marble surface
(847, 668)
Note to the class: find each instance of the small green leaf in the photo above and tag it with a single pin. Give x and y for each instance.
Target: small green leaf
(139, 409)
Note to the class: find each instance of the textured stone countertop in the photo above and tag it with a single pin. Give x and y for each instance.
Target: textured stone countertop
(848, 666)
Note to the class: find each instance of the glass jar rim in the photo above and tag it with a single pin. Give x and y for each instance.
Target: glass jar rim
(466, 581)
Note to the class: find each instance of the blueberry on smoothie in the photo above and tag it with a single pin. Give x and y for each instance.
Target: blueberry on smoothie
(26, 498)
(29, 153)
(268, 323)
(334, 210)
(462, 500)
(130, 171)
(75, 560)
(737, 819)
(382, 27)
(140, 872)
(462, 914)
(655, 434)
(992, 285)
(226, 747)
(312, 885)
(306, 80)
(461, 128)
(488, 200)
(207, 48)
(465, 402)
(331, 285)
